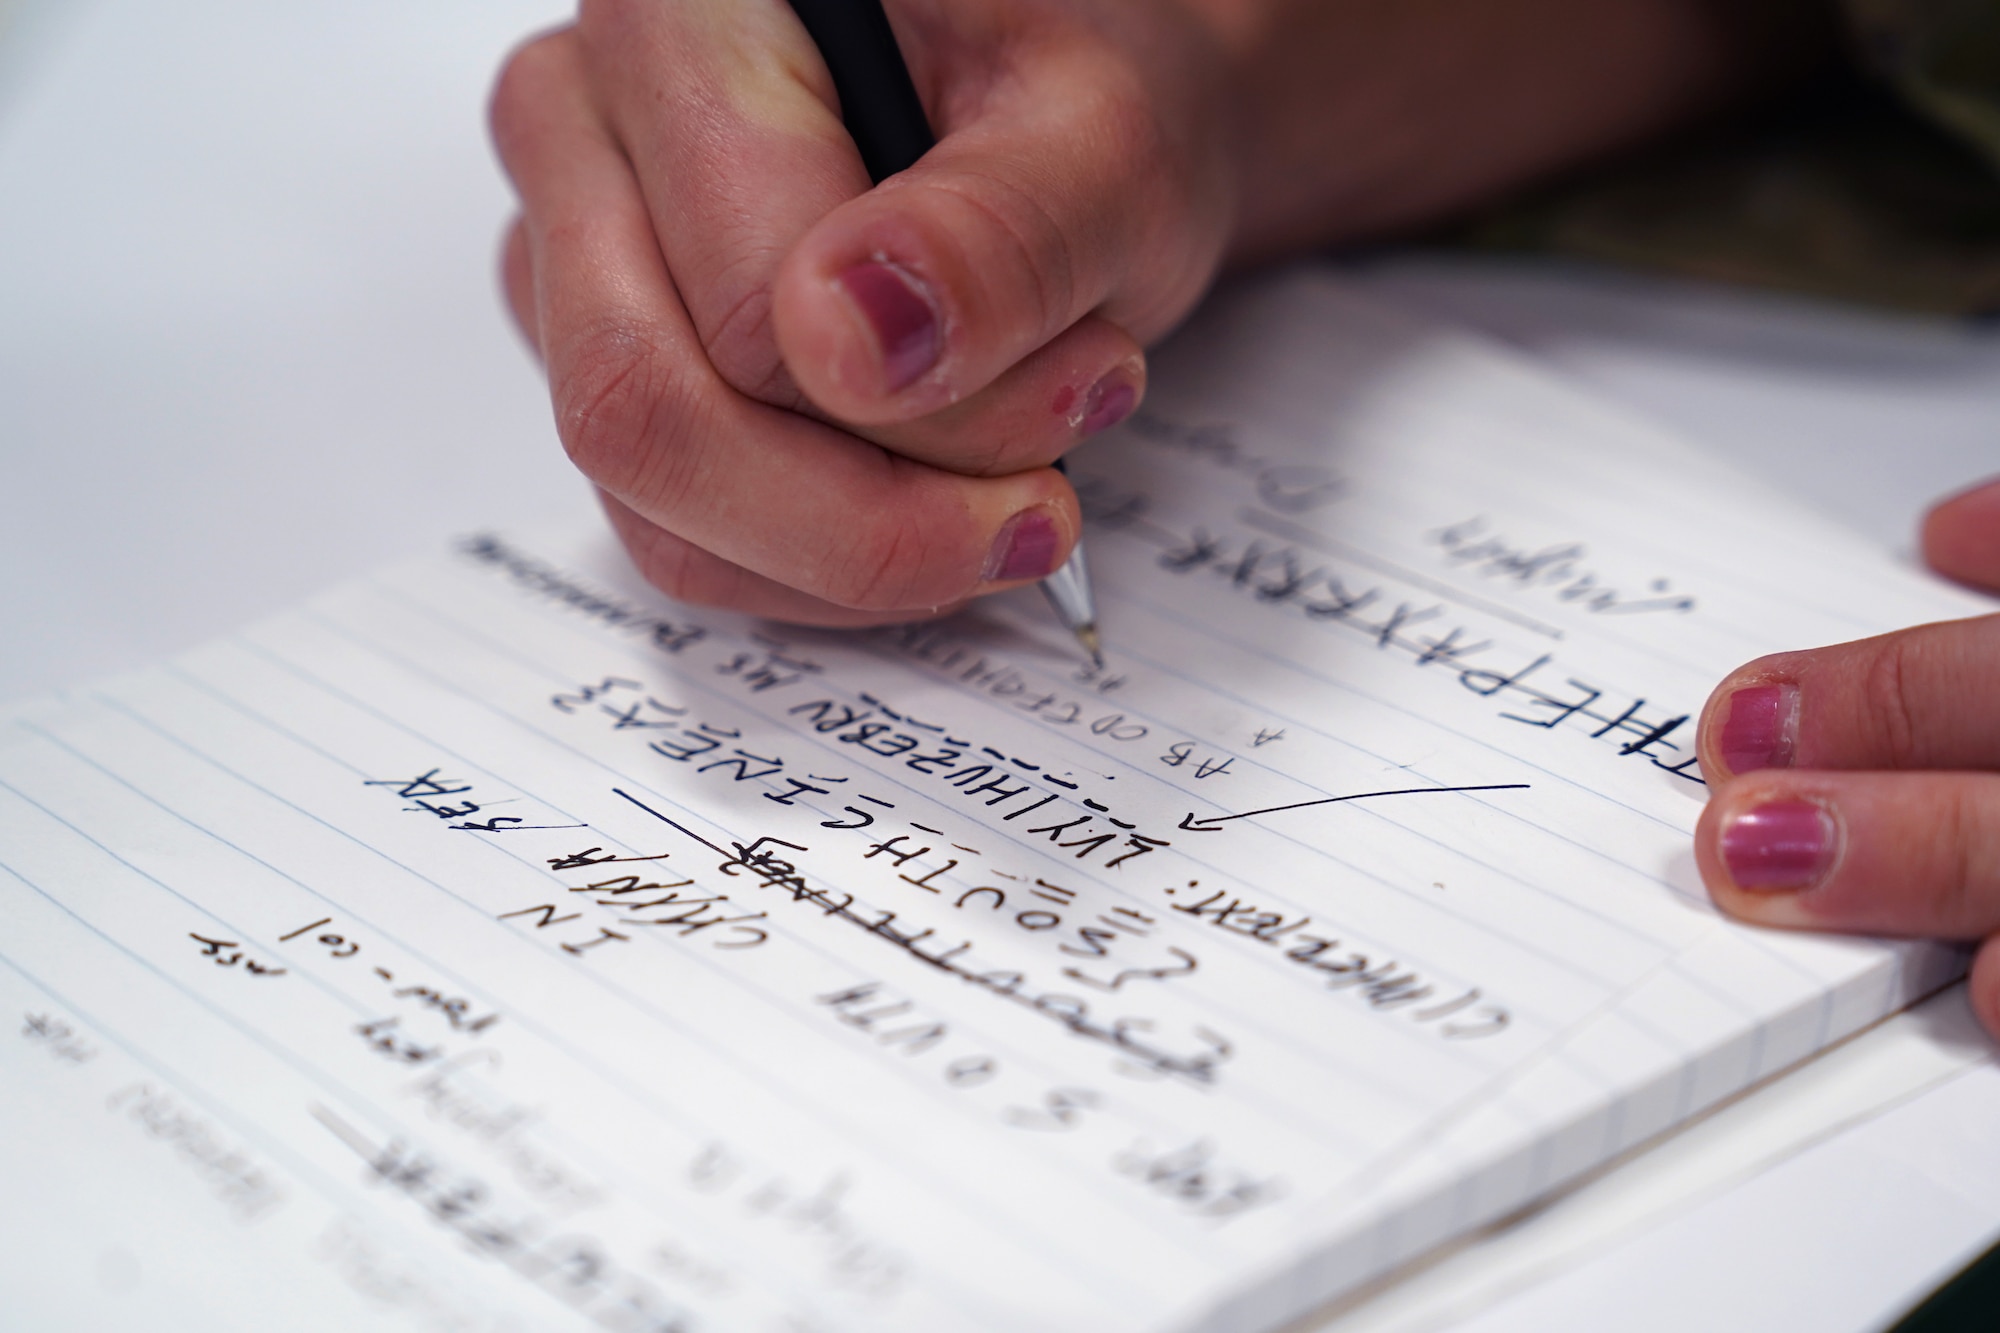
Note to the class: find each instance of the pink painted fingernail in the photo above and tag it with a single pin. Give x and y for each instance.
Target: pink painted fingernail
(1783, 845)
(901, 315)
(1761, 729)
(1025, 548)
(1109, 402)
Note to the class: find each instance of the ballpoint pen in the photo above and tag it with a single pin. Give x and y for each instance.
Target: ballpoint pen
(885, 118)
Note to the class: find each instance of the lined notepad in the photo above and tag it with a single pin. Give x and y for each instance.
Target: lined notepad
(491, 944)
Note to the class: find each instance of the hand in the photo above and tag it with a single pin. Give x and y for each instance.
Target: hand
(1857, 788)
(815, 401)
(819, 402)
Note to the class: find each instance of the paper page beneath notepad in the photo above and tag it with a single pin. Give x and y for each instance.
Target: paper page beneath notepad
(492, 944)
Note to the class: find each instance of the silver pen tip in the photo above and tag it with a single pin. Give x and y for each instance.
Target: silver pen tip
(1087, 636)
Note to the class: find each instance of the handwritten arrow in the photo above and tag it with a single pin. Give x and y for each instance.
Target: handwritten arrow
(1211, 823)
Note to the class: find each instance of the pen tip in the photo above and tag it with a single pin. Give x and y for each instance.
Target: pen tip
(1087, 636)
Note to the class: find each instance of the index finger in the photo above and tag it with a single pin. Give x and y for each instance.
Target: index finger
(1927, 697)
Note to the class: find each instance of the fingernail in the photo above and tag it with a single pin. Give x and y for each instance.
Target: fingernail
(900, 313)
(1025, 548)
(1783, 845)
(1761, 729)
(1109, 402)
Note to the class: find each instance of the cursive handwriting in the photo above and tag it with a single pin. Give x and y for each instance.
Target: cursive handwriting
(1125, 1035)
(1557, 569)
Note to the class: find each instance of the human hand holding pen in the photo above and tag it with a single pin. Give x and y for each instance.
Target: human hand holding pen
(819, 401)
(804, 398)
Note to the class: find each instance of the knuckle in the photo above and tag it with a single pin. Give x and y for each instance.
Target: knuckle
(1885, 690)
(624, 415)
(604, 398)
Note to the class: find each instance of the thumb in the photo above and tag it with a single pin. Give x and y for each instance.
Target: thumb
(1069, 195)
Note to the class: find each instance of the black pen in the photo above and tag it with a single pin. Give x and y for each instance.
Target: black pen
(885, 118)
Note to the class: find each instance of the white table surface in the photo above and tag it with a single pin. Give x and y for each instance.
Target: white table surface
(250, 342)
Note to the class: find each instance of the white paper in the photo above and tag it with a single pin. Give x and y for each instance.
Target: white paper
(1846, 1237)
(949, 990)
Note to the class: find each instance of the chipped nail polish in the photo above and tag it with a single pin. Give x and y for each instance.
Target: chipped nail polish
(1025, 548)
(1109, 402)
(899, 312)
(1780, 846)
(1761, 729)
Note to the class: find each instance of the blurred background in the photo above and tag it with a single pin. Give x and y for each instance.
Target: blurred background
(250, 337)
